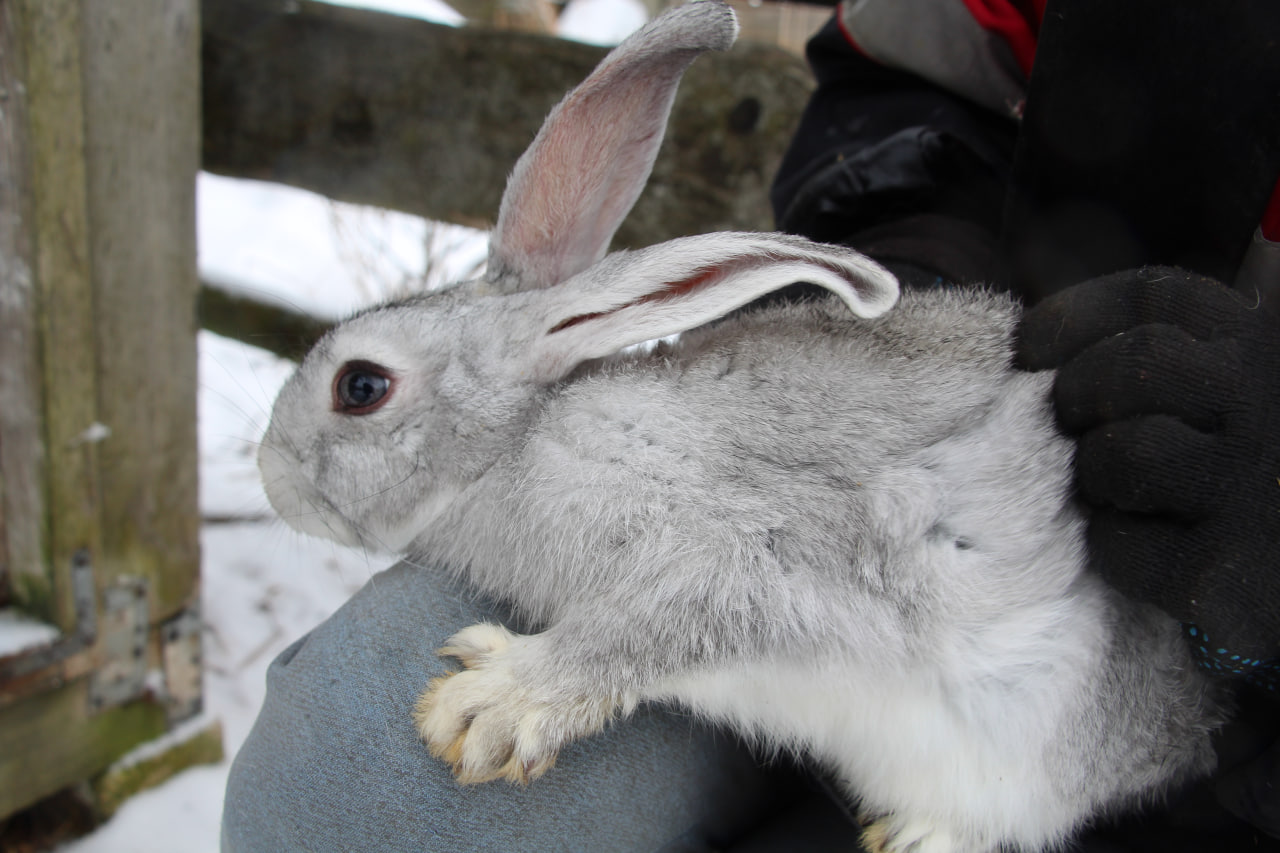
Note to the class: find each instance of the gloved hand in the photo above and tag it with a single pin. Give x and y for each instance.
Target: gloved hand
(1252, 791)
(1171, 383)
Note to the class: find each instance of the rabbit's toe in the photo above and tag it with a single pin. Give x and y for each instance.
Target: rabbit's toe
(892, 834)
(472, 644)
(487, 726)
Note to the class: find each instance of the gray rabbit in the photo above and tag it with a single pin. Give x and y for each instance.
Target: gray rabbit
(842, 529)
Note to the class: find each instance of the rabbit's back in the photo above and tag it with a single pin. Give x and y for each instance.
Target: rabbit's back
(926, 367)
(802, 385)
(804, 458)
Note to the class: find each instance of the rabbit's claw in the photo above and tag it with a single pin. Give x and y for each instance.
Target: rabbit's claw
(486, 725)
(893, 834)
(473, 644)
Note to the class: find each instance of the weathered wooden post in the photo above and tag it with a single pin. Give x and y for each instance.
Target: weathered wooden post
(99, 147)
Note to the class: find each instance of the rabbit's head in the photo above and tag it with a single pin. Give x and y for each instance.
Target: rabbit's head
(399, 409)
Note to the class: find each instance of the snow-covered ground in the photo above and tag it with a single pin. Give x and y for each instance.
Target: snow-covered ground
(264, 585)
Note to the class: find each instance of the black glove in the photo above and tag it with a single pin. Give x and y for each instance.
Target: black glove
(1172, 386)
(1252, 791)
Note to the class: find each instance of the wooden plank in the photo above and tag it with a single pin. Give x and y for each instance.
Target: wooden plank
(142, 146)
(22, 533)
(787, 25)
(375, 109)
(529, 16)
(131, 775)
(49, 741)
(50, 33)
(99, 205)
(266, 325)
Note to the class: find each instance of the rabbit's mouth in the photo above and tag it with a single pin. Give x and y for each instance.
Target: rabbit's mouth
(298, 503)
(313, 514)
(316, 515)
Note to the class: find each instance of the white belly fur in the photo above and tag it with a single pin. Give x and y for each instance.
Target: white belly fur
(972, 771)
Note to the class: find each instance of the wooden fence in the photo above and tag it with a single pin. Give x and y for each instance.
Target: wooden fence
(99, 146)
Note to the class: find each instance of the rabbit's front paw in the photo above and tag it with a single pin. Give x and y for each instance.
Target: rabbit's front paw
(487, 725)
(892, 834)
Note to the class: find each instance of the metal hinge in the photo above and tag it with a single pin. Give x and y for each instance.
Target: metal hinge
(52, 664)
(182, 649)
(109, 647)
(121, 671)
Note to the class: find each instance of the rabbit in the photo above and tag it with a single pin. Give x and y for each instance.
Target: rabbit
(840, 525)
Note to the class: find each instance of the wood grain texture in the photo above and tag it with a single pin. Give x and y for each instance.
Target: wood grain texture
(99, 129)
(62, 296)
(22, 536)
(142, 148)
(375, 109)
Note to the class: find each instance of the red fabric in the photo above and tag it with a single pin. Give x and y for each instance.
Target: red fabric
(1033, 11)
(1016, 21)
(848, 36)
(1271, 219)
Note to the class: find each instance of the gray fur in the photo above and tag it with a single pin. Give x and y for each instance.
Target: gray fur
(873, 509)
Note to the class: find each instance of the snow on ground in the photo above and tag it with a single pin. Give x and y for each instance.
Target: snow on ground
(263, 585)
(19, 632)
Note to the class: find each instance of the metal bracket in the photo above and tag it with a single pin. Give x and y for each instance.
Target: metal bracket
(182, 649)
(121, 672)
(110, 649)
(49, 664)
(82, 593)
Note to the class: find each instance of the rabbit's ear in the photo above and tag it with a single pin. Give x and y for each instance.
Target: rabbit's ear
(578, 180)
(633, 297)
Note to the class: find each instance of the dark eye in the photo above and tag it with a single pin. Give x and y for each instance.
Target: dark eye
(361, 387)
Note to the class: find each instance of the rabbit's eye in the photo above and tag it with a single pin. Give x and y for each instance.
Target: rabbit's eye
(361, 387)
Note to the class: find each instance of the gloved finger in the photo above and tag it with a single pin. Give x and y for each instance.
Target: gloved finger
(1154, 465)
(1252, 791)
(1066, 323)
(1138, 555)
(1178, 567)
(1149, 370)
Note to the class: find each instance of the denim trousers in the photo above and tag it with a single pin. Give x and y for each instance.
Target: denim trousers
(333, 762)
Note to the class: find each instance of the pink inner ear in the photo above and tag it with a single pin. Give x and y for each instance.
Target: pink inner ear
(667, 291)
(700, 279)
(664, 290)
(686, 285)
(581, 176)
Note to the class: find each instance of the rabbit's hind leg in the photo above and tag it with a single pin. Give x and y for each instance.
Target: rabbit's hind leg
(486, 724)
